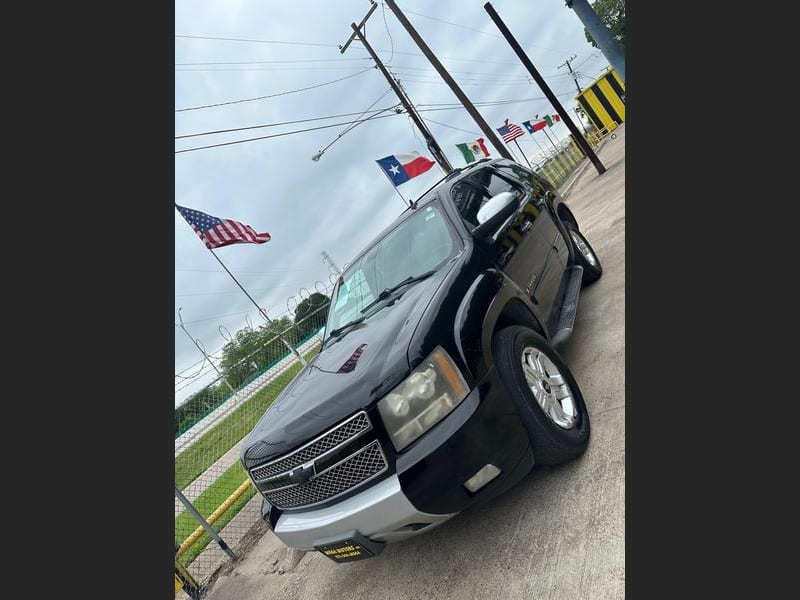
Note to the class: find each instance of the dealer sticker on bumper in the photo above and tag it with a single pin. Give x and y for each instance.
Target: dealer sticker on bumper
(345, 551)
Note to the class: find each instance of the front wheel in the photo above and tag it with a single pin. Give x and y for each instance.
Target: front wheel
(585, 255)
(547, 397)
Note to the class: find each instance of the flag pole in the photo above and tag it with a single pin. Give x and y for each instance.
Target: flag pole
(523, 154)
(555, 135)
(406, 204)
(294, 351)
(551, 141)
(541, 150)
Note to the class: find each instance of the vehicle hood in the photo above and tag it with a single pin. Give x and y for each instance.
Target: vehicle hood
(350, 373)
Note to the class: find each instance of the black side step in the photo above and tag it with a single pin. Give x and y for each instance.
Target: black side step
(569, 305)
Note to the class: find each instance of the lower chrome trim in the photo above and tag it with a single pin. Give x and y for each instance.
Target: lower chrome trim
(377, 513)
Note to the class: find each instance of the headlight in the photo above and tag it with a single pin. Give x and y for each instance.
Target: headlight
(423, 399)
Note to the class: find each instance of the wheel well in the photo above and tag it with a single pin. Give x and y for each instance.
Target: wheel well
(565, 214)
(516, 313)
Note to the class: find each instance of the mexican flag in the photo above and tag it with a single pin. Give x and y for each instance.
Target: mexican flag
(551, 119)
(473, 151)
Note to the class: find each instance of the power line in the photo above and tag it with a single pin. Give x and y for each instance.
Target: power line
(491, 62)
(344, 68)
(391, 41)
(266, 62)
(587, 59)
(266, 137)
(274, 287)
(311, 87)
(221, 316)
(357, 122)
(188, 135)
(463, 82)
(477, 30)
(375, 117)
(234, 271)
(450, 126)
(202, 37)
(428, 70)
(249, 69)
(206, 37)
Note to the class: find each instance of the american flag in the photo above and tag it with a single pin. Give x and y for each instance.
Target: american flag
(510, 131)
(220, 232)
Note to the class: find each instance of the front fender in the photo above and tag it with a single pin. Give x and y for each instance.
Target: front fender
(478, 315)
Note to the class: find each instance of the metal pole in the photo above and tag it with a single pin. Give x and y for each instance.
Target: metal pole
(190, 507)
(329, 261)
(406, 204)
(551, 141)
(538, 144)
(523, 154)
(433, 146)
(297, 355)
(587, 149)
(600, 34)
(580, 120)
(206, 356)
(462, 97)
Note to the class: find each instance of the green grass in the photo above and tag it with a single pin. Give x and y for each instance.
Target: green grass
(207, 503)
(221, 438)
(206, 450)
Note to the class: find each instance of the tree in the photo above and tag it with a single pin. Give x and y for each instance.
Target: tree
(310, 314)
(252, 350)
(612, 14)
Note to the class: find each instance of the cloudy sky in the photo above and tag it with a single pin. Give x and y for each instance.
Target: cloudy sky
(341, 202)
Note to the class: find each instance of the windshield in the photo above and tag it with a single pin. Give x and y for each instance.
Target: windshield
(419, 244)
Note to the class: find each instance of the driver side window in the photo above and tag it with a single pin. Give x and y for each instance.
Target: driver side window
(475, 190)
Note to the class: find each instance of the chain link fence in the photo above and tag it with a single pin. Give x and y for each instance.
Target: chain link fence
(211, 425)
(557, 166)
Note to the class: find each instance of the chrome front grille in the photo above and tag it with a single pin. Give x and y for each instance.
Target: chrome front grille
(304, 478)
(337, 436)
(358, 468)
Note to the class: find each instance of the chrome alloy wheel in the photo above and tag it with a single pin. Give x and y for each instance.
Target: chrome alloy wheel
(583, 247)
(549, 388)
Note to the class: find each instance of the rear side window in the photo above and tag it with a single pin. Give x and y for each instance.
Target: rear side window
(537, 185)
(475, 190)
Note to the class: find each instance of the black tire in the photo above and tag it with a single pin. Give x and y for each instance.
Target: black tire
(591, 272)
(551, 443)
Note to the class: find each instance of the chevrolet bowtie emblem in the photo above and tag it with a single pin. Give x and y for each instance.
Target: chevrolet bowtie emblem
(302, 473)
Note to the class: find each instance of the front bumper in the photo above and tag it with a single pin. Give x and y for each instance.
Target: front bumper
(381, 512)
(427, 486)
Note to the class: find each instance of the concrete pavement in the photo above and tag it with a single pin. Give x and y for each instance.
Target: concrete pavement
(559, 534)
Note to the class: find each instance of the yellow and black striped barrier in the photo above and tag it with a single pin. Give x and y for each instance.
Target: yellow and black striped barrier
(604, 101)
(184, 581)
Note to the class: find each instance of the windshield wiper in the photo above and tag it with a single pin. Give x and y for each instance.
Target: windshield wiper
(390, 290)
(339, 330)
(382, 296)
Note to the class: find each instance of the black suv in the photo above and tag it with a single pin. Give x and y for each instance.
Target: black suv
(437, 385)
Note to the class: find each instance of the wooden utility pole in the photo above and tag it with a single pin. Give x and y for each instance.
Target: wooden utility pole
(571, 72)
(462, 97)
(512, 41)
(433, 146)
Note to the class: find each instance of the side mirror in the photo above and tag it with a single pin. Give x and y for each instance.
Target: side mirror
(492, 214)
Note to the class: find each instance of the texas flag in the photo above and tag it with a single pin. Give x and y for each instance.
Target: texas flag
(402, 167)
(534, 125)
